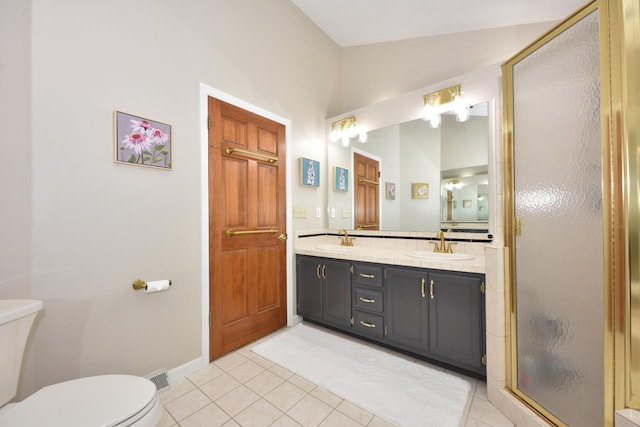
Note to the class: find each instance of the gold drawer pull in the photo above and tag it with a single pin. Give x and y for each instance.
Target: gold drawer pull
(367, 300)
(422, 288)
(431, 289)
(367, 276)
(367, 324)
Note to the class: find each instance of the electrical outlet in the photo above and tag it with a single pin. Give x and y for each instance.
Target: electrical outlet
(332, 212)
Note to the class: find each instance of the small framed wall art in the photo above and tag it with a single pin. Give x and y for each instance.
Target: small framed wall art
(419, 190)
(141, 142)
(309, 172)
(340, 179)
(390, 191)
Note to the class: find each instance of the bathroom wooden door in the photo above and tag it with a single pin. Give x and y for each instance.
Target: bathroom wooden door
(366, 193)
(247, 208)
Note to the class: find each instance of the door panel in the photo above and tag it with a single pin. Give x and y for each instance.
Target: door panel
(247, 206)
(366, 193)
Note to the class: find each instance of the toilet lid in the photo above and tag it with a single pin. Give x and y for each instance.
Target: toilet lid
(105, 400)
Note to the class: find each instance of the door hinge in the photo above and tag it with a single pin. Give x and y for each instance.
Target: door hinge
(482, 288)
(518, 227)
(208, 122)
(352, 322)
(484, 359)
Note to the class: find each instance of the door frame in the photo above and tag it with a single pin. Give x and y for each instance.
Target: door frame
(207, 91)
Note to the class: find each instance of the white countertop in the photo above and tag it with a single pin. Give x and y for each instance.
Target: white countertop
(394, 251)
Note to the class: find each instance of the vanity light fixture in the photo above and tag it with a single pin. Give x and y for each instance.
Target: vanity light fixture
(454, 183)
(442, 101)
(345, 129)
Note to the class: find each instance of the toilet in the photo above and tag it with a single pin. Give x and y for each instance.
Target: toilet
(104, 400)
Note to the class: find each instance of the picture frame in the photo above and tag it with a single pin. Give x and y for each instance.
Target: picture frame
(139, 141)
(419, 190)
(309, 172)
(390, 191)
(340, 179)
(466, 204)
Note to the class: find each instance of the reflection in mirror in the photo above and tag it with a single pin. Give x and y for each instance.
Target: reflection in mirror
(464, 195)
(414, 153)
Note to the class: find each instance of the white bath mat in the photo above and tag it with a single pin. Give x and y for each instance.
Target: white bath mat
(400, 391)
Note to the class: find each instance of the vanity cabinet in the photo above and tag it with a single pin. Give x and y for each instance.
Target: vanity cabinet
(407, 308)
(456, 319)
(324, 290)
(436, 314)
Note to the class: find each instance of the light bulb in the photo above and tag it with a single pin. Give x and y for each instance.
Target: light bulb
(345, 140)
(352, 130)
(434, 120)
(363, 137)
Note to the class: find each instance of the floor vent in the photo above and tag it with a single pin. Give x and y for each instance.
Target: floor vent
(159, 378)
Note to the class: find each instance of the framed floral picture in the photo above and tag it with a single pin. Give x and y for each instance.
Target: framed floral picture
(141, 142)
(419, 190)
(340, 179)
(390, 193)
(309, 172)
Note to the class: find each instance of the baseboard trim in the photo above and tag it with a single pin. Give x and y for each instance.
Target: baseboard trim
(183, 370)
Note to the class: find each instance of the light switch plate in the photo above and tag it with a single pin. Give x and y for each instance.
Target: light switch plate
(299, 213)
(346, 213)
(318, 212)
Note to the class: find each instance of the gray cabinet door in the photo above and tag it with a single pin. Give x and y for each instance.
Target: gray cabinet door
(309, 287)
(456, 319)
(406, 308)
(336, 304)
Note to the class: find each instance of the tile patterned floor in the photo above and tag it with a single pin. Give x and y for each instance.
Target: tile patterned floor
(244, 389)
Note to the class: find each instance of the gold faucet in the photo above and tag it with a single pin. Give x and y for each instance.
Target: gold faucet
(345, 241)
(443, 248)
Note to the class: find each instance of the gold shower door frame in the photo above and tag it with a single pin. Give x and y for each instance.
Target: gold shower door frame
(614, 217)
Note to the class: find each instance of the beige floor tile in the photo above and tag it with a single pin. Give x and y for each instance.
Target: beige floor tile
(475, 423)
(481, 391)
(264, 382)
(267, 364)
(355, 412)
(187, 404)
(209, 416)
(246, 351)
(237, 400)
(230, 361)
(285, 396)
(285, 421)
(281, 372)
(484, 411)
(246, 371)
(326, 396)
(220, 386)
(166, 420)
(176, 389)
(309, 412)
(338, 419)
(205, 374)
(231, 423)
(379, 422)
(302, 383)
(463, 421)
(259, 414)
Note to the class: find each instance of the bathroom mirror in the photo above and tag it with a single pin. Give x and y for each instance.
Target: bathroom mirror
(413, 161)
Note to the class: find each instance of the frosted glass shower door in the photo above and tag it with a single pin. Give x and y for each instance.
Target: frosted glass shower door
(558, 252)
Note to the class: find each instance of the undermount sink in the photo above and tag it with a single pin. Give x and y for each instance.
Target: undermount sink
(337, 248)
(440, 256)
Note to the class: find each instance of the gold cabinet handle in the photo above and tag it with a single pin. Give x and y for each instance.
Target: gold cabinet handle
(231, 150)
(324, 270)
(367, 324)
(431, 289)
(318, 271)
(422, 288)
(367, 300)
(367, 276)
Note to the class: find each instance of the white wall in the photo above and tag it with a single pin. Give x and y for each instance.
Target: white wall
(98, 226)
(464, 144)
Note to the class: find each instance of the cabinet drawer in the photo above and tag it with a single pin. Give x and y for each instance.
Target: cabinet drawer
(369, 324)
(368, 300)
(367, 274)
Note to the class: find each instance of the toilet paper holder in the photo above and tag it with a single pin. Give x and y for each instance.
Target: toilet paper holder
(141, 284)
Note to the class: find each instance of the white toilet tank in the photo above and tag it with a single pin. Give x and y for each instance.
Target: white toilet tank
(16, 318)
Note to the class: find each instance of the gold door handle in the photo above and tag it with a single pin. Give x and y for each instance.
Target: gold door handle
(422, 288)
(318, 271)
(368, 181)
(431, 289)
(367, 324)
(282, 237)
(367, 300)
(367, 276)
